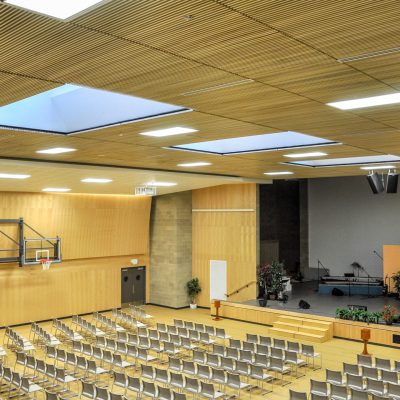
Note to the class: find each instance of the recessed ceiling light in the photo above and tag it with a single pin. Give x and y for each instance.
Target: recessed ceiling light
(279, 173)
(56, 150)
(367, 102)
(194, 164)
(49, 189)
(96, 180)
(61, 9)
(14, 176)
(370, 167)
(310, 154)
(161, 184)
(177, 130)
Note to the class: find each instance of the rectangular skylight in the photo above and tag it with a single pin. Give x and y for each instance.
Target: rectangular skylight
(304, 155)
(256, 143)
(176, 130)
(72, 109)
(366, 102)
(61, 9)
(348, 161)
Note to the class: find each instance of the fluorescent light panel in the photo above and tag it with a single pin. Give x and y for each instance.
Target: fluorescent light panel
(50, 189)
(14, 176)
(348, 161)
(194, 164)
(303, 155)
(56, 150)
(378, 167)
(161, 184)
(96, 180)
(62, 9)
(279, 173)
(255, 143)
(367, 102)
(176, 130)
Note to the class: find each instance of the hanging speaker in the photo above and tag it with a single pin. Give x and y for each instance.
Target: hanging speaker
(375, 181)
(391, 184)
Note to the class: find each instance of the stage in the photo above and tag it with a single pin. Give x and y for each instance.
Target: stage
(324, 304)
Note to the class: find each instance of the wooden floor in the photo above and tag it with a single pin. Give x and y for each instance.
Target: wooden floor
(334, 352)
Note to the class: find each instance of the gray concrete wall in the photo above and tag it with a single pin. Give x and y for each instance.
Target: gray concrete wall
(170, 248)
(347, 223)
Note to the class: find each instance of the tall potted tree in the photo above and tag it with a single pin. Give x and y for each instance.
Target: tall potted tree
(274, 280)
(193, 289)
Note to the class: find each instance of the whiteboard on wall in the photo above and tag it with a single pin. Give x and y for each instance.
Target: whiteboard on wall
(218, 278)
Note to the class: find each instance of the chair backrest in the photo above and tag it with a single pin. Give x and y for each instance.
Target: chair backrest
(390, 376)
(351, 369)
(369, 372)
(315, 396)
(163, 393)
(339, 391)
(235, 343)
(334, 377)
(293, 346)
(393, 389)
(88, 390)
(50, 395)
(318, 386)
(382, 363)
(102, 393)
(363, 360)
(207, 389)
(279, 344)
(375, 385)
(262, 349)
(293, 395)
(265, 340)
(358, 395)
(355, 380)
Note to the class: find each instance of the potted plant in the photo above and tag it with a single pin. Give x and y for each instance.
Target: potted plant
(396, 281)
(274, 279)
(193, 288)
(389, 313)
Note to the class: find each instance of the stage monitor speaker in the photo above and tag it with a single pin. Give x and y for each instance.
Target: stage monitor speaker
(375, 181)
(304, 305)
(396, 339)
(337, 292)
(391, 183)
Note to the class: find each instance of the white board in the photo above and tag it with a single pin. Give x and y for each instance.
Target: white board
(218, 278)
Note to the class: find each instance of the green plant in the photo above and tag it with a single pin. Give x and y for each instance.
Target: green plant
(193, 288)
(389, 313)
(274, 278)
(396, 281)
(375, 317)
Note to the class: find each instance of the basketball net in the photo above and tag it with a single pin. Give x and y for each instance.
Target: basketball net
(45, 263)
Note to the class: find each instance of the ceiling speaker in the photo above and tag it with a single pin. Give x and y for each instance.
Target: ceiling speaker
(391, 184)
(375, 181)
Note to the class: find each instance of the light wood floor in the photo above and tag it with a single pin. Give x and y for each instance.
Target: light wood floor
(334, 352)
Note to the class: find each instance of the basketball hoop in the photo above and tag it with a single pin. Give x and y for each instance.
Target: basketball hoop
(46, 262)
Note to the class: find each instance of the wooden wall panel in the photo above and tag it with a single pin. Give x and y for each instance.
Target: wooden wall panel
(89, 225)
(391, 263)
(225, 235)
(72, 287)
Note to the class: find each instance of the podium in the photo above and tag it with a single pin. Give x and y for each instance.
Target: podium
(217, 305)
(365, 336)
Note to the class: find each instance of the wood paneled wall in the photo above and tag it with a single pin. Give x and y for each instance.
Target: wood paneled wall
(391, 263)
(99, 233)
(89, 225)
(220, 234)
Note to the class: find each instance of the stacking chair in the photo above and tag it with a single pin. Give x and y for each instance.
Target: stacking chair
(279, 344)
(177, 381)
(246, 355)
(203, 372)
(393, 391)
(161, 376)
(213, 360)
(251, 338)
(364, 361)
(351, 369)
(356, 394)
(278, 367)
(208, 391)
(261, 360)
(339, 392)
(260, 376)
(293, 395)
(189, 325)
(120, 381)
(150, 390)
(383, 364)
(174, 364)
(218, 376)
(114, 396)
(178, 396)
(262, 349)
(227, 364)
(189, 368)
(183, 332)
(265, 340)
(355, 382)
(293, 359)
(101, 393)
(248, 346)
(134, 384)
(179, 323)
(319, 397)
(164, 393)
(233, 382)
(376, 387)
(220, 334)
(293, 346)
(88, 390)
(161, 327)
(218, 350)
(334, 377)
(309, 352)
(94, 370)
(117, 361)
(276, 353)
(232, 352)
(389, 376)
(186, 344)
(235, 344)
(199, 356)
(199, 327)
(370, 372)
(319, 387)
(192, 386)
(147, 372)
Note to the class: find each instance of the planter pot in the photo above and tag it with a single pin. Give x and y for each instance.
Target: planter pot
(193, 306)
(262, 302)
(389, 322)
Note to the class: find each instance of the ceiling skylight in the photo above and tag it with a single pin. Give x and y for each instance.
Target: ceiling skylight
(305, 155)
(257, 143)
(56, 150)
(176, 130)
(61, 9)
(366, 102)
(349, 161)
(71, 109)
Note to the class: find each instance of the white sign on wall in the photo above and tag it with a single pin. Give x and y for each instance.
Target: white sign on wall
(218, 279)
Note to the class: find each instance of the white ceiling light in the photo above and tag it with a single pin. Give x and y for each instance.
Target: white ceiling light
(177, 130)
(161, 184)
(56, 150)
(62, 9)
(194, 164)
(96, 180)
(14, 176)
(370, 167)
(367, 102)
(302, 155)
(279, 173)
(49, 189)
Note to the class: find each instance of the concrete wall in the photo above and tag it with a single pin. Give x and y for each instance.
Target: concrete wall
(347, 223)
(170, 249)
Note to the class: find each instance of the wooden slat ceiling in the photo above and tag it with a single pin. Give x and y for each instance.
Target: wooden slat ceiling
(164, 50)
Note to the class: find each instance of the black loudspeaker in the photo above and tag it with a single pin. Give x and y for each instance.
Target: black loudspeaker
(337, 292)
(304, 305)
(375, 181)
(391, 183)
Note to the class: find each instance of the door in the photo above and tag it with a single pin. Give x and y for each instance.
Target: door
(133, 285)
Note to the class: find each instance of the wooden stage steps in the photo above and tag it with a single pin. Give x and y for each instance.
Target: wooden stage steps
(307, 329)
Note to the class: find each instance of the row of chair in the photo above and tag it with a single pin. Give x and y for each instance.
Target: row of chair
(107, 323)
(371, 372)
(126, 319)
(84, 326)
(14, 339)
(38, 333)
(341, 394)
(188, 325)
(15, 383)
(140, 313)
(59, 327)
(379, 363)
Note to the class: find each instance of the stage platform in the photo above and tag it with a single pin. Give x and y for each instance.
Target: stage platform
(323, 309)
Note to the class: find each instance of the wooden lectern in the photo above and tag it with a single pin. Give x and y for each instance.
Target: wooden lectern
(365, 336)
(217, 305)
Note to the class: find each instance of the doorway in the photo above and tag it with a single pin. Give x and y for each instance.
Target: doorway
(133, 285)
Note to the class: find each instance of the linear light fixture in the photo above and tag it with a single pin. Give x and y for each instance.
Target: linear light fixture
(371, 54)
(96, 180)
(61, 9)
(161, 184)
(50, 189)
(304, 155)
(176, 130)
(279, 173)
(372, 167)
(14, 176)
(194, 164)
(218, 87)
(393, 98)
(56, 150)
